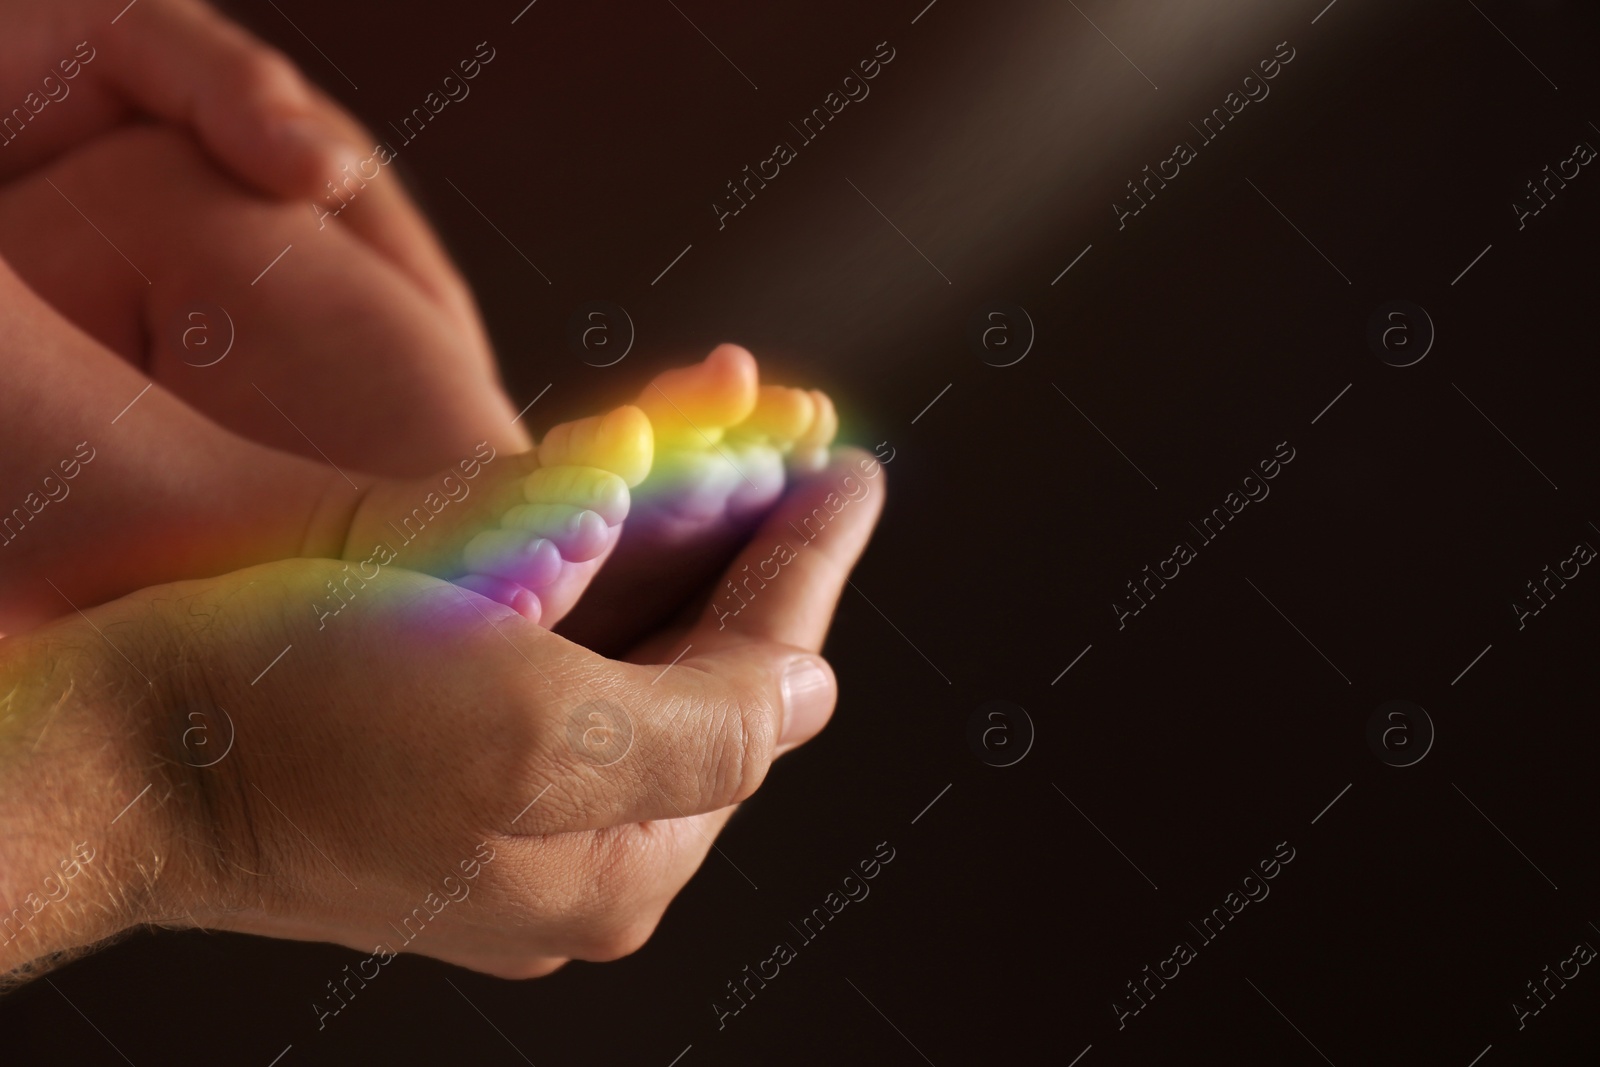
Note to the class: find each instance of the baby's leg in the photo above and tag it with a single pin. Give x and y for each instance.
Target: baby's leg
(334, 352)
(338, 357)
(109, 483)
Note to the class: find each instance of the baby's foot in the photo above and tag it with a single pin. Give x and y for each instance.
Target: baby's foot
(722, 444)
(522, 530)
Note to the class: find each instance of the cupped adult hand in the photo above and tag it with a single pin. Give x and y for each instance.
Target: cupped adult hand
(423, 771)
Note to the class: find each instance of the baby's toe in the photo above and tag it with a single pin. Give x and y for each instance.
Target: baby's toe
(579, 533)
(515, 556)
(692, 485)
(620, 441)
(588, 488)
(689, 407)
(810, 451)
(781, 416)
(512, 595)
(759, 481)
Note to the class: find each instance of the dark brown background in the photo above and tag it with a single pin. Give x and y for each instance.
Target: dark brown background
(1196, 339)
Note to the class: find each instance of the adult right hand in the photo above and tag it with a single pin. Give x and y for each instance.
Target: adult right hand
(426, 772)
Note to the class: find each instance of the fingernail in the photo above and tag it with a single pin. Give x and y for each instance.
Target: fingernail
(808, 696)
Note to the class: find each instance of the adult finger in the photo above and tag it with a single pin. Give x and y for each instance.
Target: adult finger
(783, 588)
(786, 582)
(699, 733)
(592, 896)
(623, 743)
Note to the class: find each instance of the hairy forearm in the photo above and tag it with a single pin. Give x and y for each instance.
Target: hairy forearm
(80, 851)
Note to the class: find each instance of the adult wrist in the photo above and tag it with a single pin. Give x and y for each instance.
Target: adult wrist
(84, 835)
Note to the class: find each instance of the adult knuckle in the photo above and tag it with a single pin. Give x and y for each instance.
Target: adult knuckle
(749, 737)
(521, 969)
(618, 941)
(621, 858)
(611, 898)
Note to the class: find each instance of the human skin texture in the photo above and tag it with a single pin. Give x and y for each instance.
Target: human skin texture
(93, 446)
(311, 825)
(190, 499)
(344, 360)
(76, 69)
(290, 331)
